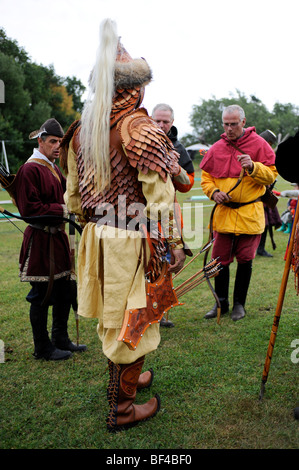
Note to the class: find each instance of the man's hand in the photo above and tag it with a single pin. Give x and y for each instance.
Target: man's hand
(175, 169)
(246, 162)
(177, 260)
(220, 197)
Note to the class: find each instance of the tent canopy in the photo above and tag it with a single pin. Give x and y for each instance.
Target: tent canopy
(198, 146)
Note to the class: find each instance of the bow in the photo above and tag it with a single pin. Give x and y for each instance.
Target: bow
(35, 218)
(238, 181)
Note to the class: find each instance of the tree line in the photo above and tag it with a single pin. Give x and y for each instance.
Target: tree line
(32, 94)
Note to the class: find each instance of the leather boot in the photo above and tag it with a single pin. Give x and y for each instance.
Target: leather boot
(43, 348)
(123, 413)
(261, 248)
(263, 252)
(145, 379)
(242, 281)
(213, 312)
(38, 319)
(60, 338)
(221, 289)
(238, 312)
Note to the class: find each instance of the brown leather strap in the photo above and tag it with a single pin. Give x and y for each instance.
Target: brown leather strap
(236, 205)
(236, 147)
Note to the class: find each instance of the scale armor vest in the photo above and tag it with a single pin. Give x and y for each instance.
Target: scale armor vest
(136, 143)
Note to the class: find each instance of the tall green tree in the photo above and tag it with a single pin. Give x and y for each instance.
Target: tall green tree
(285, 119)
(33, 94)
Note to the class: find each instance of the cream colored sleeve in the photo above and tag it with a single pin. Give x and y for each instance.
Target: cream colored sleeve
(182, 177)
(160, 206)
(72, 196)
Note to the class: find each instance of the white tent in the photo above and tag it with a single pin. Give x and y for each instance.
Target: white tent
(198, 146)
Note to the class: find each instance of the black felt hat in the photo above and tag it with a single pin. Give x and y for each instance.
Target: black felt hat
(269, 136)
(50, 127)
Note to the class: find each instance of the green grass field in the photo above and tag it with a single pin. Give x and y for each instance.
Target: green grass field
(207, 375)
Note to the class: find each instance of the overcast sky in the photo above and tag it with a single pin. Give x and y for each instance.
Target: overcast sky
(197, 49)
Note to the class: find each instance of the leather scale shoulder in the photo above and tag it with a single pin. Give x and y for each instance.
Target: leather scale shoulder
(145, 144)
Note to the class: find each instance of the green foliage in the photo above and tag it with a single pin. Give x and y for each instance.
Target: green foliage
(33, 94)
(207, 125)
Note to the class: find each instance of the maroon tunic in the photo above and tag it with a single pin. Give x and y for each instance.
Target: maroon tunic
(39, 192)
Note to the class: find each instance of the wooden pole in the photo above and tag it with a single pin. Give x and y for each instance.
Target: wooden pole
(279, 305)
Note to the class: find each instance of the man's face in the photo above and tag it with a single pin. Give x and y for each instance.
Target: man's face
(163, 119)
(50, 147)
(233, 125)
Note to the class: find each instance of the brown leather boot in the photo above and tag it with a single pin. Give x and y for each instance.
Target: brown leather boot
(122, 389)
(145, 380)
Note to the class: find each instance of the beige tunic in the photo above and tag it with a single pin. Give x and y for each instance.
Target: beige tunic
(110, 278)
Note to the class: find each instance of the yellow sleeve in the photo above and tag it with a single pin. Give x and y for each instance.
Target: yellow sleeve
(208, 184)
(263, 174)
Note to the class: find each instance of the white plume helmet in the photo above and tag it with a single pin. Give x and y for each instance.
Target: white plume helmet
(114, 69)
(95, 129)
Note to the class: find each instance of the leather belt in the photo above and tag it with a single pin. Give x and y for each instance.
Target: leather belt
(115, 223)
(236, 205)
(49, 228)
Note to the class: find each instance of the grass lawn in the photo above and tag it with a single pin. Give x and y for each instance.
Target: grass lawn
(207, 375)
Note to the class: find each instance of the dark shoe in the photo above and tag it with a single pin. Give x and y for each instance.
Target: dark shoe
(263, 252)
(213, 312)
(238, 312)
(166, 323)
(55, 355)
(70, 346)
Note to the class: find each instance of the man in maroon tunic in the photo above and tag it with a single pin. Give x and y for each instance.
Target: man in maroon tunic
(45, 253)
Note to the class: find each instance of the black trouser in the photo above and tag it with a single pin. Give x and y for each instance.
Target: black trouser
(61, 301)
(242, 281)
(222, 283)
